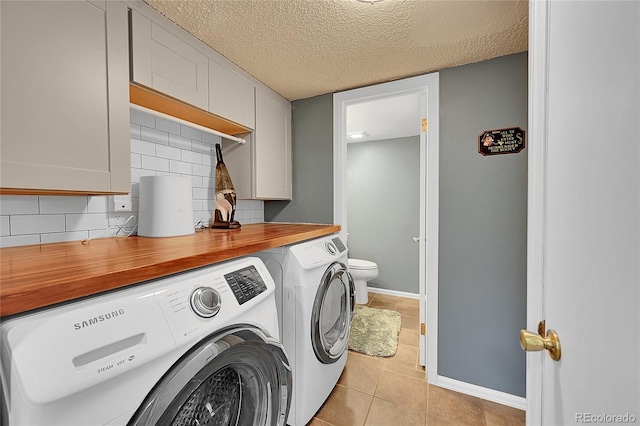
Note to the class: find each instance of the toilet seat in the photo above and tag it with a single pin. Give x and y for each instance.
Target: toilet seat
(362, 264)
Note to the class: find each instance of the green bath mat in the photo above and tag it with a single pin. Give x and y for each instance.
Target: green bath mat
(375, 331)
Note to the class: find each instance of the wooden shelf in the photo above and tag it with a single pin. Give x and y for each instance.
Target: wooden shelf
(149, 98)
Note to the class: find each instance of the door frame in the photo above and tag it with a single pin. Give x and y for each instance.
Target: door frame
(429, 188)
(537, 195)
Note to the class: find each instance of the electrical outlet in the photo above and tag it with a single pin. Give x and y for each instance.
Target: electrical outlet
(122, 203)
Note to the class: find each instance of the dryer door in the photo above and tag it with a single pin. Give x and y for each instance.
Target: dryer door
(238, 376)
(332, 313)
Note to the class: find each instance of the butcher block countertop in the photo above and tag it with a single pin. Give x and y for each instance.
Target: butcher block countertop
(41, 275)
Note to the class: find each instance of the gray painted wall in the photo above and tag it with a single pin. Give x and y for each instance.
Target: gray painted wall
(383, 190)
(312, 153)
(483, 227)
(483, 208)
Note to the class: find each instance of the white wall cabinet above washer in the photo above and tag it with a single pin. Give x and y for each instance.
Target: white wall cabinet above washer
(166, 59)
(231, 95)
(261, 168)
(272, 137)
(164, 62)
(65, 109)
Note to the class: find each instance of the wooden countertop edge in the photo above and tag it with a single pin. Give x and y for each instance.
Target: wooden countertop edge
(36, 293)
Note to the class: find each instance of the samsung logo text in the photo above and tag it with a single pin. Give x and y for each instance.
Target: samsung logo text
(100, 318)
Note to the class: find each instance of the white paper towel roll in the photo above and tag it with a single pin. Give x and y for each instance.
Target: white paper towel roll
(166, 206)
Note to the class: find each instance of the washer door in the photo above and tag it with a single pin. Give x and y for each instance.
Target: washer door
(332, 313)
(238, 376)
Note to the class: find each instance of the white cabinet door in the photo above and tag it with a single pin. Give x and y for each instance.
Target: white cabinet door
(65, 109)
(166, 63)
(231, 95)
(272, 147)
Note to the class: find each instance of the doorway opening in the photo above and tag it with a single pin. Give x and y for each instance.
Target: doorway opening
(425, 90)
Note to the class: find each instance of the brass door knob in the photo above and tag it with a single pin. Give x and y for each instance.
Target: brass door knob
(530, 341)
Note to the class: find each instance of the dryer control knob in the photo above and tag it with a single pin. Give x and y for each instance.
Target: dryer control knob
(205, 302)
(331, 248)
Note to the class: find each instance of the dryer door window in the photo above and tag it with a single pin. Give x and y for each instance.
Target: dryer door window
(332, 313)
(238, 376)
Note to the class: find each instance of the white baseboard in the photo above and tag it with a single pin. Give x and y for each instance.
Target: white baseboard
(482, 392)
(393, 292)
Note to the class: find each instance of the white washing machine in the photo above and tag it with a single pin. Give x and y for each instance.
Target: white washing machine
(315, 298)
(200, 347)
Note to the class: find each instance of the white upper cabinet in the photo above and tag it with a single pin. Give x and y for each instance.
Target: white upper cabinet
(231, 94)
(170, 61)
(272, 147)
(65, 109)
(166, 63)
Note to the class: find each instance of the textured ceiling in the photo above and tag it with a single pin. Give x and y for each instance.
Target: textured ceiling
(304, 48)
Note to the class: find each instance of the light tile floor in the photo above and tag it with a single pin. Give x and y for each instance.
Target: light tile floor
(393, 391)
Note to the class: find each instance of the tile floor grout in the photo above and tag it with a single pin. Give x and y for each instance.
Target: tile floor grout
(376, 391)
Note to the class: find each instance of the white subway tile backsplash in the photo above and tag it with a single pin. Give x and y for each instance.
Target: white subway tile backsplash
(99, 204)
(136, 174)
(210, 138)
(203, 147)
(85, 222)
(190, 132)
(197, 205)
(180, 142)
(158, 146)
(165, 125)
(18, 204)
(134, 131)
(58, 237)
(153, 135)
(180, 167)
(51, 205)
(204, 171)
(142, 118)
(243, 204)
(191, 157)
(20, 240)
(136, 161)
(155, 163)
(143, 147)
(168, 152)
(203, 193)
(37, 224)
(4, 226)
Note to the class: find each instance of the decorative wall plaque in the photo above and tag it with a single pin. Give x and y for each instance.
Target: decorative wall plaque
(501, 141)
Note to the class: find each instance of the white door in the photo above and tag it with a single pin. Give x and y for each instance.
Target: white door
(584, 211)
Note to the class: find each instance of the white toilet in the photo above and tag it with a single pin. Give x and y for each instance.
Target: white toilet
(362, 271)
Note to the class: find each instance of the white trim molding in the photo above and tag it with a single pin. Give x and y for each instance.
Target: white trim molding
(537, 194)
(393, 293)
(429, 145)
(482, 392)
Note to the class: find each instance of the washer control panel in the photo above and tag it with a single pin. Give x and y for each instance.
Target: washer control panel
(196, 302)
(205, 301)
(339, 244)
(246, 283)
(331, 248)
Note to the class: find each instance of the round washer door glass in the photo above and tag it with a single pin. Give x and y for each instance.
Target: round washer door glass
(237, 377)
(332, 313)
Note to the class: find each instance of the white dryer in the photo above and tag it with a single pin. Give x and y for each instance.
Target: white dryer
(315, 299)
(198, 347)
